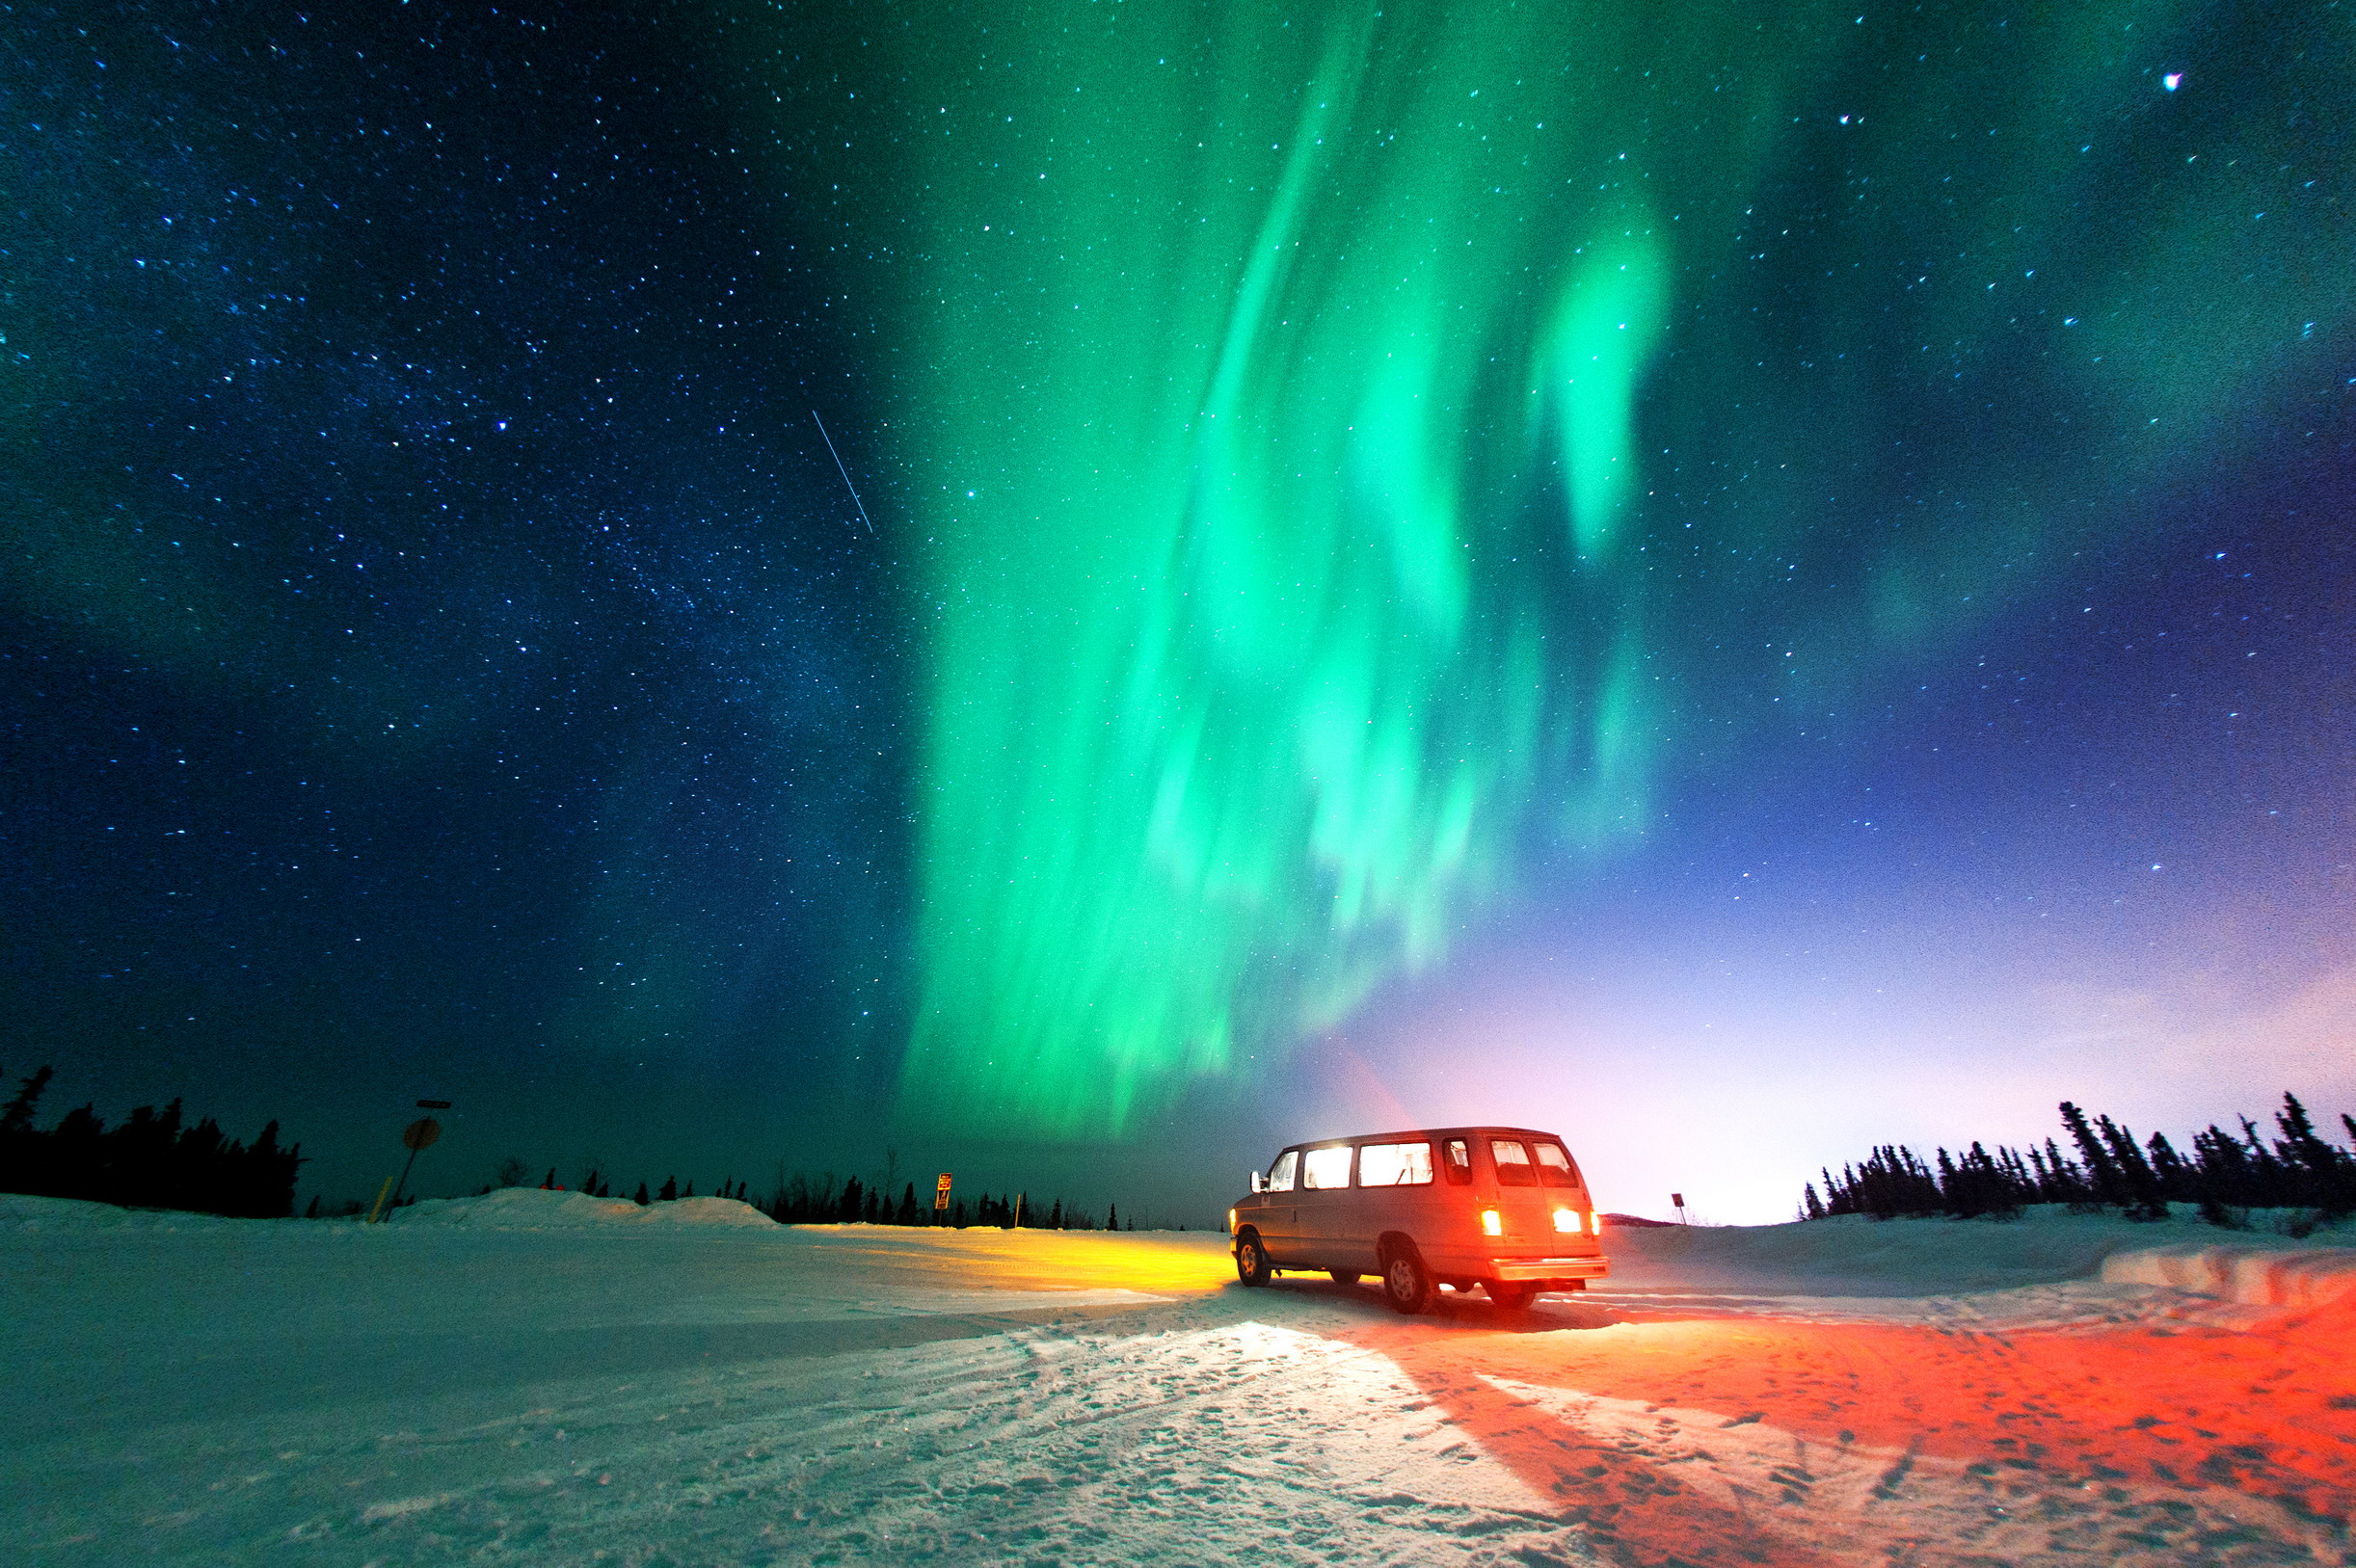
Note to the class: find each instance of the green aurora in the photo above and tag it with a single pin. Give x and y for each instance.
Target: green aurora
(1367, 461)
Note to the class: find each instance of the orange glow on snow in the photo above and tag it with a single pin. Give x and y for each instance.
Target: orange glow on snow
(985, 1257)
(2267, 1416)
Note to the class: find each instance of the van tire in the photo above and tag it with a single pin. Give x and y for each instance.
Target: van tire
(1510, 1296)
(1251, 1259)
(1343, 1276)
(1406, 1284)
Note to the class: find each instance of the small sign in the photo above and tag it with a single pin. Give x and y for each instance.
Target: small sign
(433, 1105)
(1677, 1200)
(940, 1193)
(420, 1133)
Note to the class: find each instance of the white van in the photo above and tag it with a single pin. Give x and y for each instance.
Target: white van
(1503, 1208)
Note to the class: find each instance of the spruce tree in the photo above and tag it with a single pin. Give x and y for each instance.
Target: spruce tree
(2109, 1185)
(17, 1121)
(2325, 1178)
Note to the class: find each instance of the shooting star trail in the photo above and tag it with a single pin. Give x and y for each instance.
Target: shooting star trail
(845, 472)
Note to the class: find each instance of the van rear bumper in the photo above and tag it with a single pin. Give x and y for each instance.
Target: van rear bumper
(1546, 1268)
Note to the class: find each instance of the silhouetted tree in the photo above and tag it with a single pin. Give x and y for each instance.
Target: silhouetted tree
(151, 1161)
(2226, 1174)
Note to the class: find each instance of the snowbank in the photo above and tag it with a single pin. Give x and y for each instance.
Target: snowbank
(25, 1213)
(534, 1209)
(1855, 1256)
(512, 1208)
(2254, 1276)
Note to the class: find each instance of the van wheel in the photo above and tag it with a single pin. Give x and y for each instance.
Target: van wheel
(1510, 1296)
(1343, 1276)
(1251, 1259)
(1405, 1281)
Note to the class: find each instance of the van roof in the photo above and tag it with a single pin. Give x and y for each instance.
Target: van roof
(1483, 1129)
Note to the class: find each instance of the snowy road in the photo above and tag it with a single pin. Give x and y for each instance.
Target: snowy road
(214, 1392)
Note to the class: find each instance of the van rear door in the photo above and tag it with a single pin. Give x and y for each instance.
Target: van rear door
(1520, 1202)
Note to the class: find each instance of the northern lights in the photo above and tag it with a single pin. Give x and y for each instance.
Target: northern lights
(1775, 560)
(1362, 471)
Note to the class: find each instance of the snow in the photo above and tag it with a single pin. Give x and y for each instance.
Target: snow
(535, 1209)
(545, 1378)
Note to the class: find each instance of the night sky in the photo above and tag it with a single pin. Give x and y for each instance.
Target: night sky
(1737, 581)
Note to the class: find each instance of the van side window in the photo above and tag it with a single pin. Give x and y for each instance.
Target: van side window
(1325, 1167)
(1281, 1173)
(1554, 1166)
(1512, 1161)
(1395, 1165)
(1460, 1164)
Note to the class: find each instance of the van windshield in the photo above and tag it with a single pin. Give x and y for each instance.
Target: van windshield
(1281, 1173)
(1554, 1166)
(1512, 1160)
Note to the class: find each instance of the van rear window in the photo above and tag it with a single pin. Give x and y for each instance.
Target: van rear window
(1395, 1165)
(1325, 1167)
(1512, 1160)
(1554, 1167)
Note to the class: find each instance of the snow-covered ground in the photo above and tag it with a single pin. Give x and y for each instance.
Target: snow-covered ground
(544, 1378)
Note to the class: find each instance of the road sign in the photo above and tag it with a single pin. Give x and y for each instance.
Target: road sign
(940, 1193)
(418, 1134)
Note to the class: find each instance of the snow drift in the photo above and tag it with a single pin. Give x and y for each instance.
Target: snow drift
(2254, 1276)
(536, 1208)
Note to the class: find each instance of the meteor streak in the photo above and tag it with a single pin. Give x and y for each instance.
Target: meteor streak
(845, 472)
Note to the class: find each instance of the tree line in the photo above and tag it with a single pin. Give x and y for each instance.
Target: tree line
(158, 1159)
(152, 1159)
(2224, 1174)
(802, 1199)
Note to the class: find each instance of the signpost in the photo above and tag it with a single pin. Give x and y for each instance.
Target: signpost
(417, 1136)
(940, 1197)
(1678, 1201)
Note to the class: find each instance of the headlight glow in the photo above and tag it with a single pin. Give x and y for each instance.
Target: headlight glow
(1231, 1222)
(1492, 1222)
(1567, 1219)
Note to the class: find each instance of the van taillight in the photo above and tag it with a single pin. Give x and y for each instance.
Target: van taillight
(1491, 1222)
(1594, 1223)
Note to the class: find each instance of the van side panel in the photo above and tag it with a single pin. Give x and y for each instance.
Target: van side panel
(1416, 1211)
(1327, 1214)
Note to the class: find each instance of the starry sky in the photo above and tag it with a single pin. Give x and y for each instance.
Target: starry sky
(1737, 581)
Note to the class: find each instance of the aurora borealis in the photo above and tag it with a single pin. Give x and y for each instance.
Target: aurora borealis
(1341, 399)
(1386, 520)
